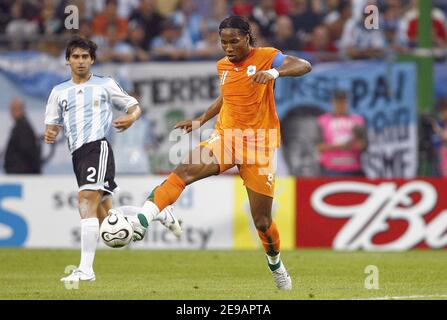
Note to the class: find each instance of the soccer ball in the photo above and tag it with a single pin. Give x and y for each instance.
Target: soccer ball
(116, 231)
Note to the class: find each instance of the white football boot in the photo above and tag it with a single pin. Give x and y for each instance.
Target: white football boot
(167, 218)
(282, 278)
(138, 230)
(78, 275)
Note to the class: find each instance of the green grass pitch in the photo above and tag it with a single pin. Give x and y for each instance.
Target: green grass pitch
(201, 275)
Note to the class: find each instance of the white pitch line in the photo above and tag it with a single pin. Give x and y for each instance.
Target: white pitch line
(406, 297)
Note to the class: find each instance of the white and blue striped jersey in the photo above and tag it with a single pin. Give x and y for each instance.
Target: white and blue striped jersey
(85, 110)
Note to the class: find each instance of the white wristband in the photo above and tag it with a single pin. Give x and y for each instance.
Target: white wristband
(273, 72)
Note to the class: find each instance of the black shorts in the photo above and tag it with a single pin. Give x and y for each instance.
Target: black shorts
(94, 166)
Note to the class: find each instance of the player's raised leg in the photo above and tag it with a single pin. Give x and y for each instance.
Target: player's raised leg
(170, 190)
(89, 201)
(261, 208)
(166, 218)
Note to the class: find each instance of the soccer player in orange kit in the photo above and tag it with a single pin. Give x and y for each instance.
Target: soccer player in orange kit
(247, 134)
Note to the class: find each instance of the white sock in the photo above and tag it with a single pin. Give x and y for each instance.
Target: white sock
(89, 240)
(273, 260)
(150, 212)
(130, 212)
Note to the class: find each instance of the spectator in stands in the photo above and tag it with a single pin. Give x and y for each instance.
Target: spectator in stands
(111, 48)
(390, 19)
(343, 138)
(24, 19)
(330, 9)
(204, 7)
(110, 16)
(23, 150)
(306, 16)
(209, 47)
(220, 10)
(337, 23)
(393, 43)
(321, 46)
(187, 17)
(51, 25)
(283, 7)
(167, 7)
(50, 22)
(357, 42)
(137, 42)
(439, 138)
(284, 38)
(148, 16)
(264, 15)
(170, 45)
(242, 8)
(124, 7)
(85, 28)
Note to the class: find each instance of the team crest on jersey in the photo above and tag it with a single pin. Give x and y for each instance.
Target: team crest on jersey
(251, 70)
(96, 103)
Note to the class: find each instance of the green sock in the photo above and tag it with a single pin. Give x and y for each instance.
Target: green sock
(143, 220)
(274, 262)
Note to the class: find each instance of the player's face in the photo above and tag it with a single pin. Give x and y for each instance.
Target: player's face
(340, 107)
(235, 44)
(80, 62)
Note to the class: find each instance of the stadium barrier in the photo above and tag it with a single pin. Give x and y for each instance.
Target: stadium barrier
(373, 215)
(349, 214)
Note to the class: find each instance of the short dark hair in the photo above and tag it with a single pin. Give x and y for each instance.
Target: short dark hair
(238, 22)
(83, 43)
(339, 94)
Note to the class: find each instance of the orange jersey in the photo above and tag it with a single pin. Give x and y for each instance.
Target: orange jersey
(246, 104)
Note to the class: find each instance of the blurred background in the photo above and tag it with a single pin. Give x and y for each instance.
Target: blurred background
(381, 68)
(164, 53)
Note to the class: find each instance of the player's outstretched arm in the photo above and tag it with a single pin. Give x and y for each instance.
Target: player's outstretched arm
(124, 122)
(51, 132)
(213, 110)
(294, 67)
(291, 67)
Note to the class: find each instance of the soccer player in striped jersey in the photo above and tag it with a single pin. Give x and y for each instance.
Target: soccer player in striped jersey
(247, 121)
(82, 106)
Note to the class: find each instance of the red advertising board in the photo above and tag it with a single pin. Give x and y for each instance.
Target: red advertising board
(362, 214)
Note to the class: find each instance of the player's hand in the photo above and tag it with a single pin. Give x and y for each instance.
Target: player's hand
(50, 135)
(124, 122)
(262, 77)
(188, 125)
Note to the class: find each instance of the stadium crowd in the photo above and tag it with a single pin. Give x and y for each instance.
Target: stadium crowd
(148, 30)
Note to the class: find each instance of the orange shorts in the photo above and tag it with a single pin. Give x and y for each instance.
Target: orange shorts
(257, 168)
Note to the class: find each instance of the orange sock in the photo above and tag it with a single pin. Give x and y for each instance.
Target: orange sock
(168, 192)
(270, 240)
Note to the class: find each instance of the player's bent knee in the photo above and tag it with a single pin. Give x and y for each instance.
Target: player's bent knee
(262, 224)
(190, 173)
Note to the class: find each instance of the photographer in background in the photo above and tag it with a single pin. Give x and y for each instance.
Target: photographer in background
(23, 150)
(439, 139)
